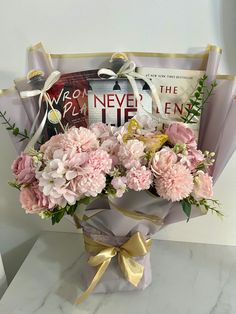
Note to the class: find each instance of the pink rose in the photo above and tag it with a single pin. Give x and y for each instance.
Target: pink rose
(202, 186)
(139, 179)
(33, 200)
(119, 184)
(23, 169)
(163, 160)
(180, 133)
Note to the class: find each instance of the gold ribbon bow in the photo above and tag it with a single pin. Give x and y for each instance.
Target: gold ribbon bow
(136, 246)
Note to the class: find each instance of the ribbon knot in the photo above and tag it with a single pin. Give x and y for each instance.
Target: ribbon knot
(43, 95)
(128, 71)
(136, 246)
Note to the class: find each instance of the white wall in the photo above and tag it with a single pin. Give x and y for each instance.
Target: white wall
(110, 25)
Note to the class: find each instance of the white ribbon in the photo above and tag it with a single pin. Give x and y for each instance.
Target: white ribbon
(128, 71)
(43, 95)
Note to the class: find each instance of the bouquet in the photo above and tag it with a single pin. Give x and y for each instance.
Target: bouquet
(77, 166)
(121, 184)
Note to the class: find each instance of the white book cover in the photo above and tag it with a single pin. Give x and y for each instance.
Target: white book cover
(113, 101)
(174, 86)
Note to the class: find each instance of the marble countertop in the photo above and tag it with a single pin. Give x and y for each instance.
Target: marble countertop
(188, 278)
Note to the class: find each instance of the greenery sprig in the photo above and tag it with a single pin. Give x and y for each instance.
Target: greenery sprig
(13, 128)
(198, 100)
(58, 213)
(205, 205)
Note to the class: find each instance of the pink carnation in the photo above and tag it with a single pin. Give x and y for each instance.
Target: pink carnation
(202, 186)
(163, 160)
(54, 143)
(180, 133)
(131, 153)
(83, 139)
(139, 179)
(23, 169)
(90, 184)
(99, 160)
(79, 139)
(175, 184)
(33, 200)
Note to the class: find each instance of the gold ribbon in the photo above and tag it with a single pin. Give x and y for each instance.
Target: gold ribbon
(136, 246)
(137, 215)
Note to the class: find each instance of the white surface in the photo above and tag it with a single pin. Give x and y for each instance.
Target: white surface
(109, 25)
(3, 280)
(187, 279)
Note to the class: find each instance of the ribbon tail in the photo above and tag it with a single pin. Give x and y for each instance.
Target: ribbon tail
(154, 93)
(132, 270)
(136, 92)
(37, 134)
(48, 99)
(137, 215)
(100, 272)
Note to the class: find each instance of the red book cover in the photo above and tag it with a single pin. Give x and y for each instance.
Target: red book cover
(69, 96)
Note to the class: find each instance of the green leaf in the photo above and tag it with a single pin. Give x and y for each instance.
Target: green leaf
(57, 216)
(22, 139)
(15, 185)
(194, 102)
(15, 131)
(70, 209)
(195, 112)
(186, 208)
(85, 200)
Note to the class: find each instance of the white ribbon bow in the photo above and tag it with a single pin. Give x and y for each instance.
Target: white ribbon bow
(128, 71)
(43, 95)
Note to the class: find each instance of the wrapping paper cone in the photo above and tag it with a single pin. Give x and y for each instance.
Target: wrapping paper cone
(134, 212)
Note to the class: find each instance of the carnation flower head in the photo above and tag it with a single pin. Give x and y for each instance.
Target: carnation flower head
(81, 138)
(90, 184)
(139, 179)
(99, 161)
(175, 184)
